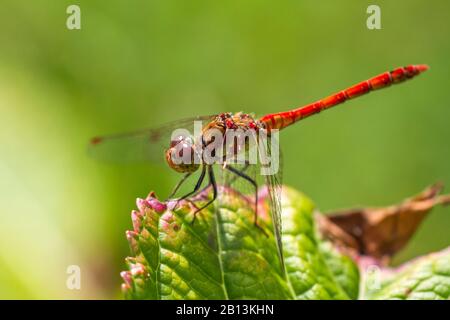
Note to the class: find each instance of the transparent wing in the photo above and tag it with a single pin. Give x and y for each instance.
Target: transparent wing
(274, 183)
(268, 172)
(141, 145)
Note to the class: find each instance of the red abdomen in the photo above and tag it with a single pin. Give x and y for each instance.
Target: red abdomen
(283, 119)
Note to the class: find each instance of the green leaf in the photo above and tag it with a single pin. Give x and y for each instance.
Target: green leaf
(224, 256)
(308, 272)
(427, 277)
(344, 270)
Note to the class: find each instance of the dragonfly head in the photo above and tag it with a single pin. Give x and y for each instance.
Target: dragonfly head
(182, 155)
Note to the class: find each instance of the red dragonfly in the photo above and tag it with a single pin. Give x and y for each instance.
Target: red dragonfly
(146, 144)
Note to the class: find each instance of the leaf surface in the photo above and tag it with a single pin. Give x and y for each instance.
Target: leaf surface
(424, 278)
(224, 256)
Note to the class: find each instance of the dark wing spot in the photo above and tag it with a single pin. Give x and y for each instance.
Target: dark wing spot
(154, 136)
(96, 140)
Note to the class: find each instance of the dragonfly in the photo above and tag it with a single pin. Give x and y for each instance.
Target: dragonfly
(161, 143)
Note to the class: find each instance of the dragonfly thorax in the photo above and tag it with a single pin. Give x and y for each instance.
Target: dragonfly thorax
(186, 154)
(229, 122)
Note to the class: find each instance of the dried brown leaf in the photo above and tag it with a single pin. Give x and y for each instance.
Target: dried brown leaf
(379, 233)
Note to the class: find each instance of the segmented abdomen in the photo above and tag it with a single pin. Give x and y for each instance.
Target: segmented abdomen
(283, 119)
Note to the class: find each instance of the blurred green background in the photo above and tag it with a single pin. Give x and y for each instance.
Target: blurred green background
(141, 63)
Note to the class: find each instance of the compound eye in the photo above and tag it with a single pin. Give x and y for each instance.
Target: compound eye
(182, 156)
(175, 141)
(185, 149)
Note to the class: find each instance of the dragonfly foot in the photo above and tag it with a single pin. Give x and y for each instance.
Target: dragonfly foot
(187, 200)
(261, 229)
(195, 215)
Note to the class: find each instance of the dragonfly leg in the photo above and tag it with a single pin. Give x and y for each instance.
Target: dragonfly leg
(197, 186)
(241, 174)
(247, 164)
(212, 182)
(178, 185)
